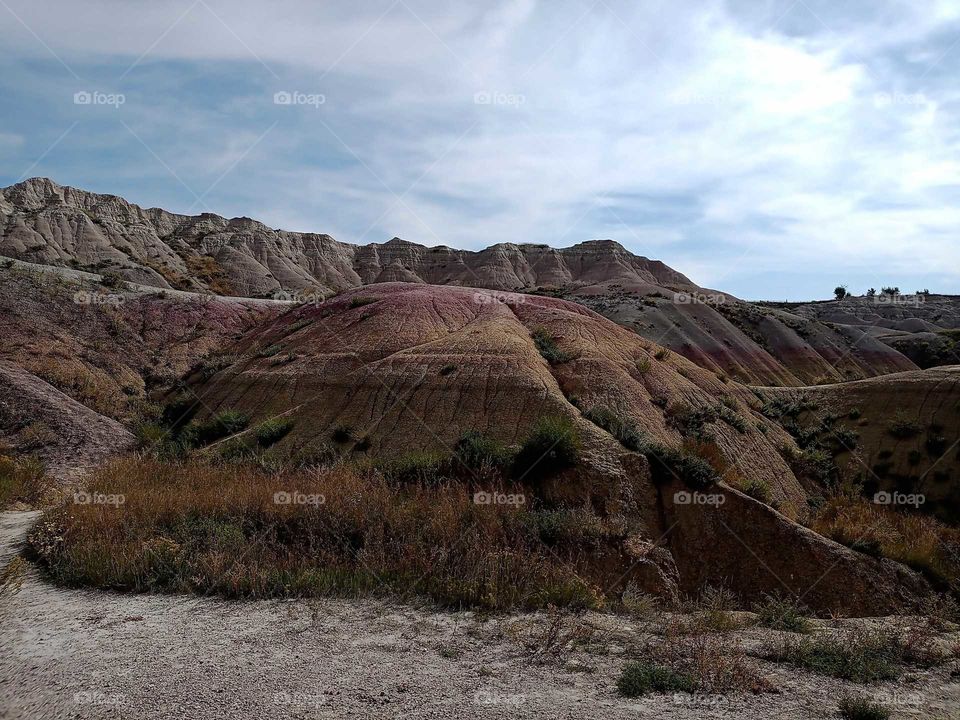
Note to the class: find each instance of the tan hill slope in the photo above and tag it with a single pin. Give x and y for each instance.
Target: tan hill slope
(393, 370)
(43, 222)
(905, 432)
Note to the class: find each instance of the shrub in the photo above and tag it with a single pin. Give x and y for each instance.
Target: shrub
(661, 354)
(342, 434)
(854, 414)
(22, 480)
(861, 656)
(640, 677)
(273, 430)
(643, 366)
(548, 347)
(478, 452)
(358, 301)
(269, 351)
(851, 708)
(221, 425)
(623, 430)
(110, 279)
(779, 613)
(757, 488)
(667, 464)
(447, 370)
(902, 426)
(552, 446)
(419, 466)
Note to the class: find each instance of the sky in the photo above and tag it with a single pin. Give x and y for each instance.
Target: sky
(773, 150)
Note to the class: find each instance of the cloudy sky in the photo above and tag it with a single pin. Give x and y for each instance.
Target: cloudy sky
(770, 149)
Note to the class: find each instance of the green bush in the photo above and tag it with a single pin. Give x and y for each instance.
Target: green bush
(639, 678)
(356, 302)
(902, 426)
(552, 446)
(779, 613)
(861, 657)
(478, 451)
(273, 430)
(667, 464)
(757, 488)
(221, 425)
(420, 466)
(547, 347)
(851, 708)
(623, 430)
(270, 351)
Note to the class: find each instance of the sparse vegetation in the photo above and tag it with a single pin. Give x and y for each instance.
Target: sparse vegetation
(858, 708)
(272, 431)
(779, 613)
(360, 301)
(640, 678)
(861, 656)
(902, 426)
(757, 488)
(552, 446)
(22, 480)
(342, 434)
(622, 429)
(239, 532)
(269, 351)
(548, 348)
(479, 452)
(661, 354)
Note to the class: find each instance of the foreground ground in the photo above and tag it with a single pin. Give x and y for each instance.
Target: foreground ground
(86, 654)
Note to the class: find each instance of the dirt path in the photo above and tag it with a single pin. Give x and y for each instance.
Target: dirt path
(86, 654)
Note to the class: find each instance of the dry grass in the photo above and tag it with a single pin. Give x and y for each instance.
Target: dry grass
(23, 480)
(209, 529)
(919, 541)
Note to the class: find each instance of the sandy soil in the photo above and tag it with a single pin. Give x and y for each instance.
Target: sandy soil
(86, 654)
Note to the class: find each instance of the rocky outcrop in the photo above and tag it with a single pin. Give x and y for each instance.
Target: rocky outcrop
(43, 222)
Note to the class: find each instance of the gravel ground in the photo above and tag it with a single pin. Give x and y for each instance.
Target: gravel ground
(88, 654)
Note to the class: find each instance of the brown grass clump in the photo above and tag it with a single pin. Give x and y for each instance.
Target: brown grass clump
(716, 662)
(240, 532)
(919, 541)
(22, 480)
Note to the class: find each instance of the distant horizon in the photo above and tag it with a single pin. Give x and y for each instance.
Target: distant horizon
(672, 266)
